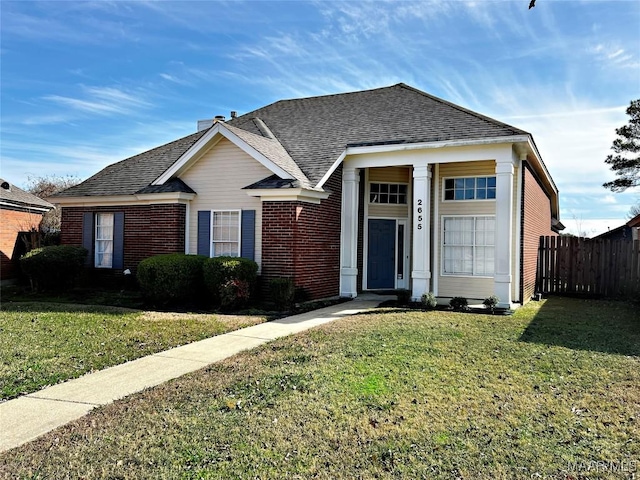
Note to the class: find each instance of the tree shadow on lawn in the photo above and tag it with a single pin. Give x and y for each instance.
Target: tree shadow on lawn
(586, 324)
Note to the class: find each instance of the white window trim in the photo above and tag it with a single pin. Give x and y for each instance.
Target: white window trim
(96, 239)
(368, 193)
(443, 190)
(226, 210)
(442, 247)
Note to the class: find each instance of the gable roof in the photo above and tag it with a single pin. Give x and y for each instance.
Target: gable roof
(14, 197)
(305, 137)
(316, 130)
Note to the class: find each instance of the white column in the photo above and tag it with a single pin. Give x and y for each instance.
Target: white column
(349, 233)
(420, 252)
(504, 232)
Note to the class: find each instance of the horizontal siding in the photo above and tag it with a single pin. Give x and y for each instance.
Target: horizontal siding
(218, 178)
(390, 174)
(478, 288)
(392, 211)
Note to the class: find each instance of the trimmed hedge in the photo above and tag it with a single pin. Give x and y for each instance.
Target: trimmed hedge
(54, 267)
(230, 281)
(282, 292)
(172, 278)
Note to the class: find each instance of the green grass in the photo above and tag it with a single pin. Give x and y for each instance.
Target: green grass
(397, 394)
(45, 343)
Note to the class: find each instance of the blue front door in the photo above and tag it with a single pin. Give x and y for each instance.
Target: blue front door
(381, 262)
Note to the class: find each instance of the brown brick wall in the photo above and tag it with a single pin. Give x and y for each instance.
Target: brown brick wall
(148, 229)
(302, 240)
(536, 221)
(12, 222)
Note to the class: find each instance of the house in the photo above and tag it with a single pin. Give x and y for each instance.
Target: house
(370, 190)
(629, 231)
(20, 212)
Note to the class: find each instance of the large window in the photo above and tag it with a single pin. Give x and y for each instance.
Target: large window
(226, 233)
(468, 247)
(470, 188)
(104, 240)
(388, 193)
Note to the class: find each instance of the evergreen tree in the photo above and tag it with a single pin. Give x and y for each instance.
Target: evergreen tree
(626, 162)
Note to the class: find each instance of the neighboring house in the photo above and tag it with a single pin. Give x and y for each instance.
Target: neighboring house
(19, 212)
(371, 190)
(629, 231)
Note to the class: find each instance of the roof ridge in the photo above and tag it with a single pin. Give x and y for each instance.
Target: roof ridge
(458, 107)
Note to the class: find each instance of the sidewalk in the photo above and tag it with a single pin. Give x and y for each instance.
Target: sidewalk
(26, 418)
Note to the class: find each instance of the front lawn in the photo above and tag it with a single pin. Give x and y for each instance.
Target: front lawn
(383, 395)
(45, 343)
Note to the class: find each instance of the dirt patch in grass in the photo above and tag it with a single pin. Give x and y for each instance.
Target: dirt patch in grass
(383, 395)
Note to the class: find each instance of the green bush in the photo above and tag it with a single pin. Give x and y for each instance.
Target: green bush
(491, 302)
(459, 303)
(404, 296)
(282, 292)
(429, 300)
(219, 271)
(172, 278)
(54, 267)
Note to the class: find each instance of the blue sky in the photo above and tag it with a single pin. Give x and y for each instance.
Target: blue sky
(86, 84)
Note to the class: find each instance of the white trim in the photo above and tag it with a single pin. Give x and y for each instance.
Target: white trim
(204, 143)
(227, 210)
(474, 200)
(518, 234)
(110, 200)
(26, 209)
(436, 232)
(288, 195)
(441, 246)
(420, 146)
(96, 215)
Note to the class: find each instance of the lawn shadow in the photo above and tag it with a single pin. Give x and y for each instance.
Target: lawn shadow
(586, 324)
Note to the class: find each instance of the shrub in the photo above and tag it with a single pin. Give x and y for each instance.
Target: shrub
(404, 296)
(281, 292)
(429, 300)
(218, 271)
(234, 294)
(53, 267)
(172, 278)
(491, 302)
(459, 303)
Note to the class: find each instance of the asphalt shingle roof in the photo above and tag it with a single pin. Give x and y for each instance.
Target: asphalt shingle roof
(305, 136)
(18, 197)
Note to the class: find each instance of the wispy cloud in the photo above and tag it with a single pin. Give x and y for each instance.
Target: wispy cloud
(102, 101)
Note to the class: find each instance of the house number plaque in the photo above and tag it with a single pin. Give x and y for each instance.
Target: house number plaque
(419, 210)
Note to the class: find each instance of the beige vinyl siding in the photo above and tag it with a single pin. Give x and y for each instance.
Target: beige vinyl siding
(218, 178)
(389, 175)
(451, 285)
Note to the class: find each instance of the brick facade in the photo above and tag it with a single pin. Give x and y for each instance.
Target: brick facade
(148, 229)
(11, 223)
(536, 221)
(302, 241)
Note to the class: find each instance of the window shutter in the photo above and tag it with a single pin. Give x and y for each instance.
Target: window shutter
(118, 240)
(204, 232)
(248, 240)
(87, 236)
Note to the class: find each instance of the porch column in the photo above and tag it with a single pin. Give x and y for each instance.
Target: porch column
(504, 231)
(420, 252)
(349, 233)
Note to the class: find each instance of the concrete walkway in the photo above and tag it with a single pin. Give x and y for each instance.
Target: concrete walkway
(26, 418)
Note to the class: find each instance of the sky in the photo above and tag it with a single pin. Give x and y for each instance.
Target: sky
(86, 84)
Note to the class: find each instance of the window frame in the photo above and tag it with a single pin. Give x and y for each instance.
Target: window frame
(475, 189)
(474, 247)
(406, 193)
(211, 232)
(97, 238)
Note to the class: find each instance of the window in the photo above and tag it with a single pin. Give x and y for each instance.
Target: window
(388, 193)
(470, 188)
(225, 233)
(104, 240)
(468, 247)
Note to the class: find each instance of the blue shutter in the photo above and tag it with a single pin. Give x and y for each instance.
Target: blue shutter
(204, 232)
(118, 240)
(87, 236)
(248, 240)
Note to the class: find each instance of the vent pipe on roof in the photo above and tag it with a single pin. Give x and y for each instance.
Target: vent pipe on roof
(234, 114)
(6, 186)
(218, 118)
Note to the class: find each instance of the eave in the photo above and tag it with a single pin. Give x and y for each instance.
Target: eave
(125, 200)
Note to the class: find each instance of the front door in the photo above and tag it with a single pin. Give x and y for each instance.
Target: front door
(381, 262)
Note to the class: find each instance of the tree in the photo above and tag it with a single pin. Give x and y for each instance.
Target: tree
(44, 187)
(624, 163)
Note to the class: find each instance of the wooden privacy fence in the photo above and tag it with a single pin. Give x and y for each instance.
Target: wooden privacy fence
(591, 267)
